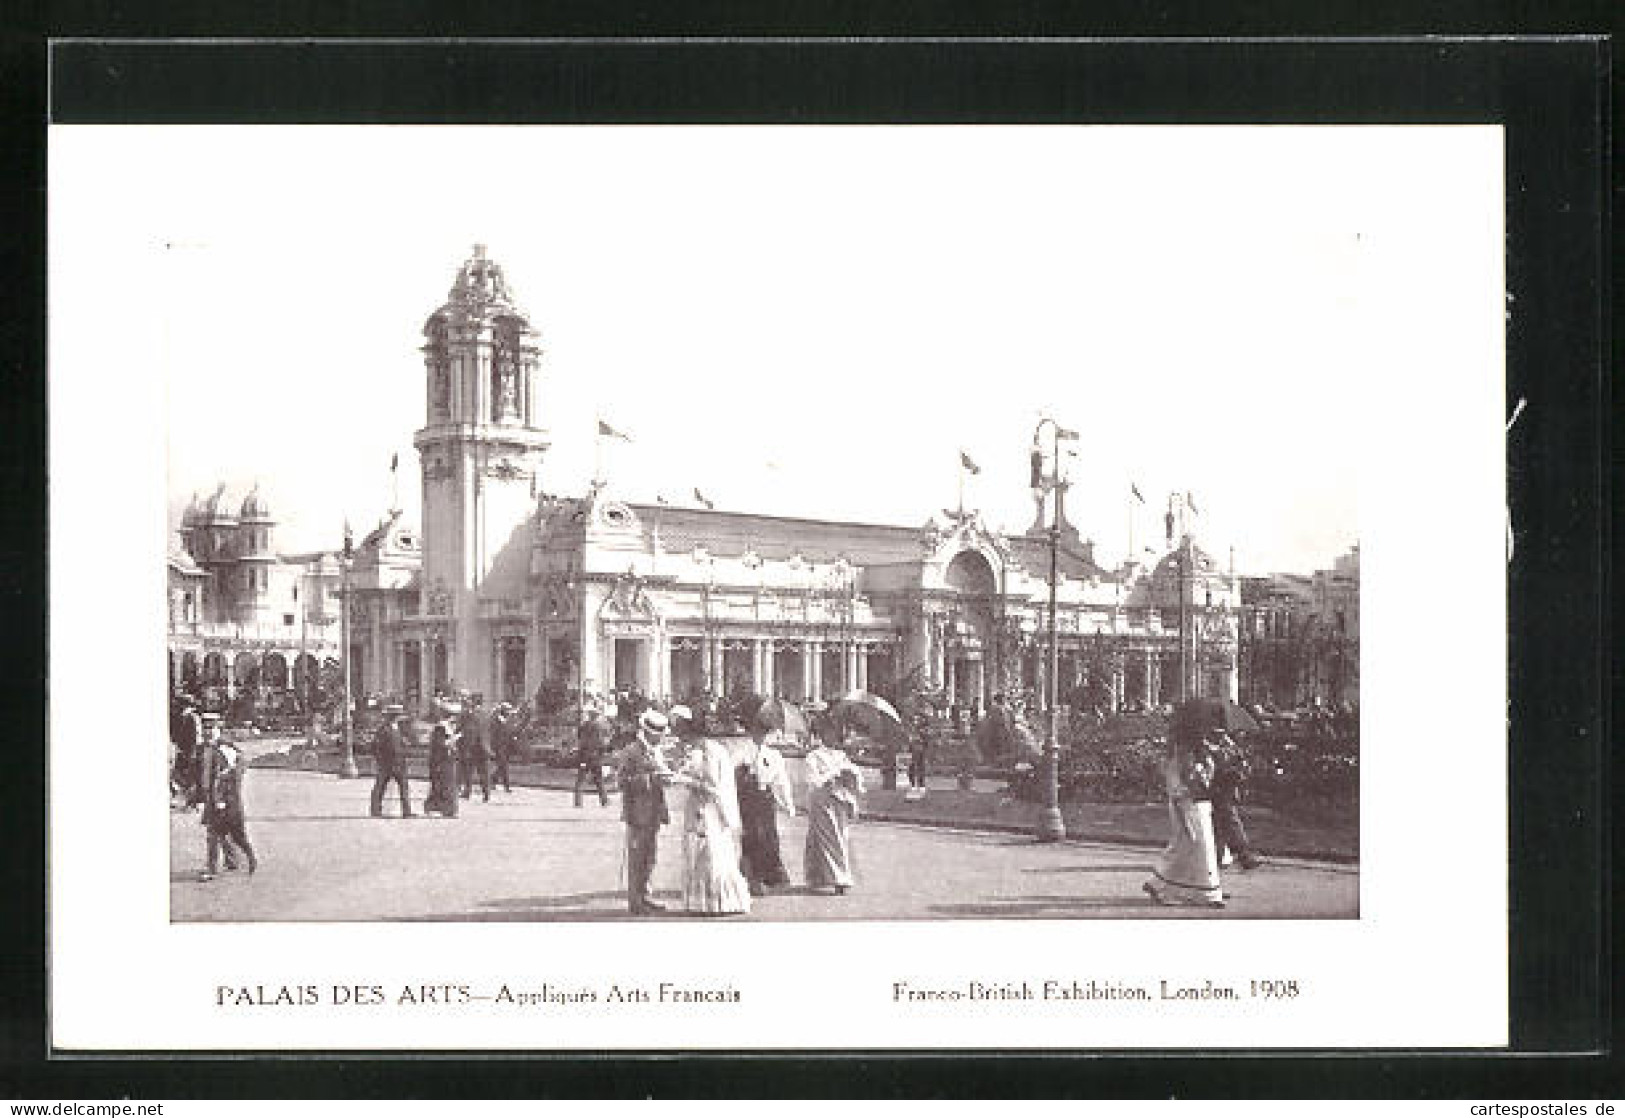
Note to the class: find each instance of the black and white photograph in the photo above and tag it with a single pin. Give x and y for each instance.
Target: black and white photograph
(918, 559)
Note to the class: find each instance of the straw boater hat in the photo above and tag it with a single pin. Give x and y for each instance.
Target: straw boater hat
(653, 721)
(393, 710)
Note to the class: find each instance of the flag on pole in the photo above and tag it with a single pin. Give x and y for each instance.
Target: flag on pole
(608, 432)
(1135, 489)
(966, 463)
(703, 499)
(1191, 501)
(394, 461)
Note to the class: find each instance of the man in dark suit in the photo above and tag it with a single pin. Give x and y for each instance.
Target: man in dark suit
(502, 740)
(592, 746)
(224, 820)
(642, 777)
(1229, 789)
(476, 752)
(389, 754)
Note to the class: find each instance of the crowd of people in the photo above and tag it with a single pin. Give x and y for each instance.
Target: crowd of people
(730, 810)
(731, 800)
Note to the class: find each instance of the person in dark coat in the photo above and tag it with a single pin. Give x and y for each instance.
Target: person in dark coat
(389, 754)
(919, 756)
(475, 751)
(593, 737)
(643, 776)
(224, 820)
(186, 769)
(764, 790)
(442, 797)
(1228, 788)
(502, 742)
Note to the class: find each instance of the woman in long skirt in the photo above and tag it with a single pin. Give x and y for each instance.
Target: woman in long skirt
(834, 785)
(1187, 872)
(712, 883)
(764, 790)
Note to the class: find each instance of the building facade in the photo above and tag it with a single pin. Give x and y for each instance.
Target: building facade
(1300, 636)
(247, 622)
(512, 586)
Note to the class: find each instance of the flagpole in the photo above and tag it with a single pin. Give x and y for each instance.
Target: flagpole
(1132, 554)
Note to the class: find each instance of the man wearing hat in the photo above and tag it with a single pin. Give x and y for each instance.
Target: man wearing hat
(224, 821)
(473, 749)
(389, 754)
(502, 738)
(592, 744)
(643, 776)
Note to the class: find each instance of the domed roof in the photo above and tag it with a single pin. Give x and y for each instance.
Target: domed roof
(479, 289)
(1168, 567)
(217, 510)
(254, 506)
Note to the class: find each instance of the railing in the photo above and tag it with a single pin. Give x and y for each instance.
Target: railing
(315, 632)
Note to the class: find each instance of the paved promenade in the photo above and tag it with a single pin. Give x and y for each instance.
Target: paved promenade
(530, 855)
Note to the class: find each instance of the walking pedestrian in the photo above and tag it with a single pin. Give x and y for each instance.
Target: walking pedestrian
(442, 797)
(473, 749)
(224, 820)
(592, 747)
(919, 755)
(502, 742)
(764, 790)
(832, 804)
(642, 778)
(1187, 871)
(1229, 788)
(389, 753)
(712, 882)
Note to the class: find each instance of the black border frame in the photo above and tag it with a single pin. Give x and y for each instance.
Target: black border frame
(1552, 95)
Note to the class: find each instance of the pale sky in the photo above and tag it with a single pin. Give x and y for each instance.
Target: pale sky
(852, 305)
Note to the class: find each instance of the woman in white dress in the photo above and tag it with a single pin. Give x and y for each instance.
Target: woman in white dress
(833, 786)
(1187, 872)
(712, 883)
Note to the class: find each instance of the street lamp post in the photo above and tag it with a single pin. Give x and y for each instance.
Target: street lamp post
(347, 765)
(1051, 826)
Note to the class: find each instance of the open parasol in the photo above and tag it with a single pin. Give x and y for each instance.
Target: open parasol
(1200, 716)
(870, 714)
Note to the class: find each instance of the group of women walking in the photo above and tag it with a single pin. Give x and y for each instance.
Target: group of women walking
(731, 847)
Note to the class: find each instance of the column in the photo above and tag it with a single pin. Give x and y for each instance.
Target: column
(718, 653)
(590, 648)
(860, 658)
(659, 669)
(950, 678)
(849, 679)
(1150, 679)
(812, 668)
(764, 667)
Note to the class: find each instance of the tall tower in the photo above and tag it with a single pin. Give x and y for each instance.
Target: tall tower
(481, 445)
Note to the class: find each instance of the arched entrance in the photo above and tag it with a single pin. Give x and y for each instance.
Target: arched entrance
(971, 645)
